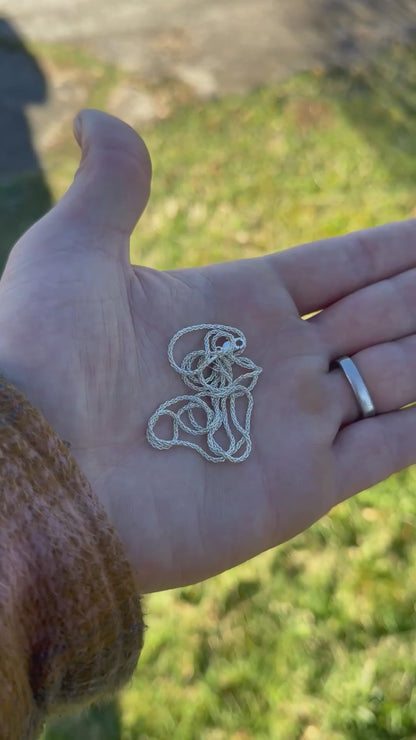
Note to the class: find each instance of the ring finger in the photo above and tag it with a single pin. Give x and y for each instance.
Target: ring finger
(389, 372)
(375, 327)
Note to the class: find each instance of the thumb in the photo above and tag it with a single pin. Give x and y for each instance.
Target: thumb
(112, 184)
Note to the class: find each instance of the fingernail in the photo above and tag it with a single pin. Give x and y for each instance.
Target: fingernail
(78, 128)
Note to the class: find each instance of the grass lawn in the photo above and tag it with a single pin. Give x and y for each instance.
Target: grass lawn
(314, 640)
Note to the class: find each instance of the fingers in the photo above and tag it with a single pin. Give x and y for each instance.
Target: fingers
(389, 372)
(381, 312)
(112, 184)
(320, 273)
(376, 327)
(371, 450)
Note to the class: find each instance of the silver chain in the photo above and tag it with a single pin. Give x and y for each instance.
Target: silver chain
(209, 371)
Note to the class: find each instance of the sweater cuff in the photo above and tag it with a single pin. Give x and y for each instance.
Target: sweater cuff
(71, 623)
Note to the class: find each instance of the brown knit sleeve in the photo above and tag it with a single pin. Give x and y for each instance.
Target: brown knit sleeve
(71, 626)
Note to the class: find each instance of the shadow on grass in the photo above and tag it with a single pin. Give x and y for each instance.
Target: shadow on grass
(24, 193)
(379, 98)
(98, 722)
(376, 93)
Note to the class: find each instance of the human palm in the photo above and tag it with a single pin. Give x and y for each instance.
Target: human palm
(84, 334)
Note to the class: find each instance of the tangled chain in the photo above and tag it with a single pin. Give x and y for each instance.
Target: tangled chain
(210, 372)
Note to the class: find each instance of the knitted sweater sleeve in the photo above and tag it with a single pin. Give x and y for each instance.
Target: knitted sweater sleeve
(71, 627)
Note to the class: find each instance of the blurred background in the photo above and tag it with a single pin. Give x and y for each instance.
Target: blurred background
(269, 123)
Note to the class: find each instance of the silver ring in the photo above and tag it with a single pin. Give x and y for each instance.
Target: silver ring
(358, 386)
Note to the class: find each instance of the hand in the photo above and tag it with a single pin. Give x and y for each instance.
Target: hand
(84, 334)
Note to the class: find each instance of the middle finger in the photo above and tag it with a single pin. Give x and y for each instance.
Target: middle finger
(381, 312)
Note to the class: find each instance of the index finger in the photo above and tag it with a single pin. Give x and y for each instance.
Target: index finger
(322, 272)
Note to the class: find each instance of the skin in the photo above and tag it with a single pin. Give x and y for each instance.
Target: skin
(84, 335)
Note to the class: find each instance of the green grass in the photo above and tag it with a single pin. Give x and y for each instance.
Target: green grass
(315, 639)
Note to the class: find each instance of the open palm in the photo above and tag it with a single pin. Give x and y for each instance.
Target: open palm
(84, 334)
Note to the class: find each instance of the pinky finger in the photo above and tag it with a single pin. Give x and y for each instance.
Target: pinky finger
(369, 451)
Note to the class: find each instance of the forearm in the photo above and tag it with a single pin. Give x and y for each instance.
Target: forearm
(71, 626)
